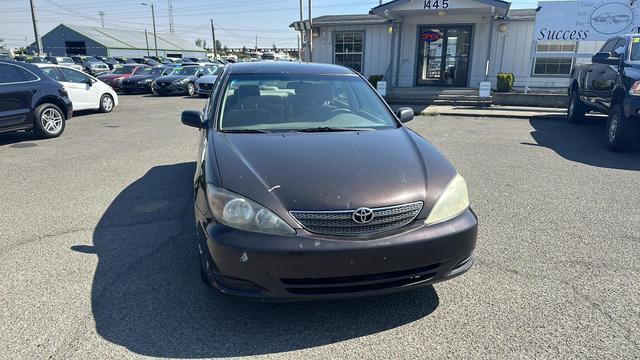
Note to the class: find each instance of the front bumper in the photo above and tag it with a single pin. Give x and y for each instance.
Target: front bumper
(135, 87)
(307, 266)
(203, 89)
(164, 88)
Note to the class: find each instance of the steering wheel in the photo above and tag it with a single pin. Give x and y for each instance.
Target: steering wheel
(335, 112)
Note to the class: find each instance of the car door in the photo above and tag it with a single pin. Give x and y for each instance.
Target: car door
(80, 88)
(17, 88)
(600, 78)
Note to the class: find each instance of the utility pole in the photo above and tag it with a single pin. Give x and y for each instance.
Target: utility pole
(299, 49)
(153, 17)
(301, 32)
(213, 35)
(171, 29)
(146, 39)
(310, 35)
(101, 13)
(34, 18)
(256, 42)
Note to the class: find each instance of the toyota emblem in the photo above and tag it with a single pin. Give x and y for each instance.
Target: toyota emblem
(362, 215)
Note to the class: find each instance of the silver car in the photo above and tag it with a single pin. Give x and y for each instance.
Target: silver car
(204, 84)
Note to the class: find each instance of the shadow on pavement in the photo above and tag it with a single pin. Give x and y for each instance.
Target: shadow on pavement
(18, 137)
(584, 143)
(148, 297)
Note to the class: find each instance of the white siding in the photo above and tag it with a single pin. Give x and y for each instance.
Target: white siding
(377, 47)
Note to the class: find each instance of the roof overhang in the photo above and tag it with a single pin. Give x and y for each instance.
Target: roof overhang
(417, 7)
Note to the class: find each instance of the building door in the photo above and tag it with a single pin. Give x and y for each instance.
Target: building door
(443, 55)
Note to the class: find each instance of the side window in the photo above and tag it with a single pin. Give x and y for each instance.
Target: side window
(73, 76)
(53, 73)
(139, 70)
(27, 75)
(609, 45)
(10, 74)
(618, 49)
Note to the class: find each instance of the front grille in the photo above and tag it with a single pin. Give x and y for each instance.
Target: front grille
(359, 283)
(341, 223)
(205, 86)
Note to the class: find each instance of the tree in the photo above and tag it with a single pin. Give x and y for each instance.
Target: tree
(274, 48)
(199, 42)
(204, 44)
(244, 49)
(218, 46)
(225, 49)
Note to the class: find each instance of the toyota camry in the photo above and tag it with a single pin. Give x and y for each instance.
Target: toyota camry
(308, 186)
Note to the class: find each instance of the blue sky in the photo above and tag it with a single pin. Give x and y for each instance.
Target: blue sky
(237, 21)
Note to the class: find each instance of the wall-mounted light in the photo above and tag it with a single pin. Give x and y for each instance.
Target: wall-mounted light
(442, 13)
(503, 28)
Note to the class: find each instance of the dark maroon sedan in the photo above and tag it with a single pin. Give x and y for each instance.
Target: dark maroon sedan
(119, 73)
(308, 186)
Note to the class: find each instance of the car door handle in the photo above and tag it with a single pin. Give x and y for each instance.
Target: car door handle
(33, 91)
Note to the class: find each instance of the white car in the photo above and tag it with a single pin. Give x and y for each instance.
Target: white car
(85, 91)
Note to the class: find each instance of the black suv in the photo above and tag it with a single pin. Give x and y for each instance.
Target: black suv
(29, 99)
(610, 85)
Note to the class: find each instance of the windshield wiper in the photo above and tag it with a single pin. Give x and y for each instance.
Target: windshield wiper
(333, 129)
(249, 131)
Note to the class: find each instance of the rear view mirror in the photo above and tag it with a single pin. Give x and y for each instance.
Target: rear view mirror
(193, 118)
(405, 114)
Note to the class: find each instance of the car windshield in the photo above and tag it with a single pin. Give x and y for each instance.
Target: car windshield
(90, 59)
(155, 71)
(635, 49)
(123, 70)
(188, 71)
(278, 102)
(65, 60)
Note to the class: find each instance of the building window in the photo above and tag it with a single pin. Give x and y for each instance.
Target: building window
(554, 66)
(348, 49)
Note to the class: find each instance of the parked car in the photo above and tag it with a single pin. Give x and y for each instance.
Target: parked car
(144, 61)
(120, 73)
(64, 61)
(190, 60)
(32, 101)
(610, 85)
(295, 198)
(4, 56)
(111, 62)
(141, 82)
(85, 91)
(181, 81)
(204, 84)
(91, 65)
(32, 59)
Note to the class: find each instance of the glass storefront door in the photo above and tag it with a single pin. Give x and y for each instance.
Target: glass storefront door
(443, 55)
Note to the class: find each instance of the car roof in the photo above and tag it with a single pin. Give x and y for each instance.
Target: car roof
(288, 67)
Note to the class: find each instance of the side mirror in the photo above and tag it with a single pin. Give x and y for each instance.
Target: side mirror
(405, 114)
(89, 81)
(193, 118)
(604, 58)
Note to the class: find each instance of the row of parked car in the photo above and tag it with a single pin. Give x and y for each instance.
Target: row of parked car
(42, 96)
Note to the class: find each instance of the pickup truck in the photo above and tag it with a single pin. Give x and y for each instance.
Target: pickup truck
(610, 85)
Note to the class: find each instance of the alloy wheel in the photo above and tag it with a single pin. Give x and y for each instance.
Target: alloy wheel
(51, 121)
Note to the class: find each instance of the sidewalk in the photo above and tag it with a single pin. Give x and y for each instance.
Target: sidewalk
(518, 112)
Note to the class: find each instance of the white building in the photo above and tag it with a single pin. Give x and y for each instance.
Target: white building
(445, 43)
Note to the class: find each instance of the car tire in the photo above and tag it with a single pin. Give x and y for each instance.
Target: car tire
(191, 89)
(619, 129)
(106, 103)
(576, 110)
(49, 121)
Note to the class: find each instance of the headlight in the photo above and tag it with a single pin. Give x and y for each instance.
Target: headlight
(635, 89)
(241, 213)
(182, 81)
(453, 201)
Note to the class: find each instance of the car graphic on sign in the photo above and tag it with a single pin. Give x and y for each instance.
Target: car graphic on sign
(612, 18)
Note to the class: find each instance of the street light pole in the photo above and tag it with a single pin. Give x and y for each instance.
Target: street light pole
(310, 35)
(153, 17)
(301, 51)
(34, 17)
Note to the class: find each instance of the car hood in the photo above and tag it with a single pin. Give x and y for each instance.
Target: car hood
(331, 171)
(209, 79)
(171, 78)
(634, 70)
(141, 77)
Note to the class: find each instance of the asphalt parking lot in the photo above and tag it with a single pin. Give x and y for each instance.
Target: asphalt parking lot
(97, 258)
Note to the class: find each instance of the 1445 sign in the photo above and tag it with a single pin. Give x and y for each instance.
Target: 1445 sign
(436, 4)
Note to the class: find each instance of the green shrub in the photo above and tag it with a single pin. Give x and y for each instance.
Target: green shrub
(373, 79)
(505, 82)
